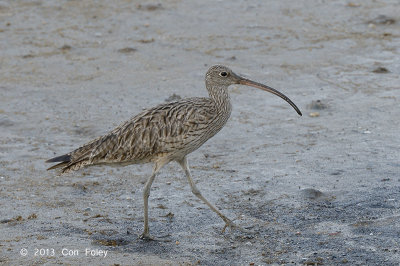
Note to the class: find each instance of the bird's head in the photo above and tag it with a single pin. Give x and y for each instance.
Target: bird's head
(222, 76)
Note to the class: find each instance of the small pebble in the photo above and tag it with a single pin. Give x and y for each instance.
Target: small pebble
(66, 47)
(173, 97)
(353, 4)
(127, 50)
(314, 114)
(149, 7)
(383, 20)
(381, 70)
(317, 105)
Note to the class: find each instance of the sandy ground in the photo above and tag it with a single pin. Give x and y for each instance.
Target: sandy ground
(319, 189)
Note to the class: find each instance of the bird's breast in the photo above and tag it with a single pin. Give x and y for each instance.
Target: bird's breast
(206, 128)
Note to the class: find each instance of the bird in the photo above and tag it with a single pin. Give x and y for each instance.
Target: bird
(166, 133)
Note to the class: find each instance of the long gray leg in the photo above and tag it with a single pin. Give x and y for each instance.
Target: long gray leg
(195, 191)
(146, 194)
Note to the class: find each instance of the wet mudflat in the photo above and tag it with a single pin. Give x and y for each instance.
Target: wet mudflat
(320, 189)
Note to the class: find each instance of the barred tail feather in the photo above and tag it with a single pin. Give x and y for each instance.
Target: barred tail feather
(69, 167)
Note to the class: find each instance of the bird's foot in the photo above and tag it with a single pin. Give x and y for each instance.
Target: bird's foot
(147, 237)
(228, 224)
(232, 226)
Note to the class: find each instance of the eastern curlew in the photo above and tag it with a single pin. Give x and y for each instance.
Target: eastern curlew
(165, 133)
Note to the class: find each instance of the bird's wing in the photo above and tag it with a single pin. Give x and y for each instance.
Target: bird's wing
(160, 130)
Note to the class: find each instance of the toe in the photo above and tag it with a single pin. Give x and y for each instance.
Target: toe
(145, 236)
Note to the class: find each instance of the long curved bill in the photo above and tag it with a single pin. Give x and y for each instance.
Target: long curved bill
(251, 83)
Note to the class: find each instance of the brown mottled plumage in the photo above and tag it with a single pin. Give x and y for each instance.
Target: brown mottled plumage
(173, 130)
(165, 133)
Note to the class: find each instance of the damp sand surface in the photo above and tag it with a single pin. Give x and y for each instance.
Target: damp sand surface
(321, 189)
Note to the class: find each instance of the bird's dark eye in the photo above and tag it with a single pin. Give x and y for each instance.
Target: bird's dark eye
(223, 74)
